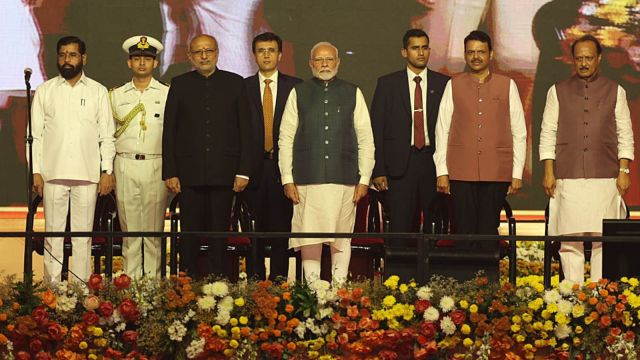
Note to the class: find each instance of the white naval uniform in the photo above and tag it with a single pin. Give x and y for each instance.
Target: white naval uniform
(140, 192)
(72, 142)
(579, 205)
(325, 207)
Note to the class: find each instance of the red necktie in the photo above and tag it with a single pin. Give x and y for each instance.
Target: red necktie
(418, 118)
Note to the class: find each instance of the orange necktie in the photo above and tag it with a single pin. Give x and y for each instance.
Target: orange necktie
(267, 113)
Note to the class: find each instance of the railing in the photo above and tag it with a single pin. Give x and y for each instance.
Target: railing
(421, 253)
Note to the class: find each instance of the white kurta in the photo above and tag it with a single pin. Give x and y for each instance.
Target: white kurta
(580, 205)
(325, 207)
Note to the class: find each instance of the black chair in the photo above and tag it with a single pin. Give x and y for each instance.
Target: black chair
(367, 253)
(442, 258)
(105, 219)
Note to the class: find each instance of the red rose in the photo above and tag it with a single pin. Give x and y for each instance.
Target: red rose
(122, 282)
(23, 355)
(55, 331)
(422, 305)
(129, 310)
(95, 282)
(428, 329)
(43, 356)
(40, 315)
(106, 309)
(388, 355)
(35, 346)
(90, 318)
(458, 317)
(130, 337)
(113, 354)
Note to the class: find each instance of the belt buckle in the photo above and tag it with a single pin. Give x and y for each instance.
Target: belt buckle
(139, 157)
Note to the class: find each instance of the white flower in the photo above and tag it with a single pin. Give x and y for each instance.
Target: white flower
(121, 326)
(324, 313)
(447, 304)
(300, 330)
(562, 331)
(176, 331)
(218, 288)
(565, 307)
(206, 303)
(226, 304)
(424, 293)
(552, 296)
(565, 287)
(447, 326)
(320, 285)
(431, 314)
(66, 303)
(223, 317)
(195, 348)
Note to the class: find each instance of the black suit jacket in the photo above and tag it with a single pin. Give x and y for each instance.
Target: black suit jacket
(206, 138)
(392, 119)
(285, 84)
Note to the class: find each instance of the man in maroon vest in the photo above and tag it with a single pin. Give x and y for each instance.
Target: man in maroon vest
(586, 144)
(480, 142)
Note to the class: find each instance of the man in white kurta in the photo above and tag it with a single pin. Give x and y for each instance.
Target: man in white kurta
(73, 150)
(586, 144)
(326, 160)
(138, 111)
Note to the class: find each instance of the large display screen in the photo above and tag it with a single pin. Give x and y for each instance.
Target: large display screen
(532, 40)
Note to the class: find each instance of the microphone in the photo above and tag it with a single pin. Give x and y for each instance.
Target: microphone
(27, 73)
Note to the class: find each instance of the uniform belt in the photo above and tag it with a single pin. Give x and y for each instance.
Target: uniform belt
(268, 155)
(139, 156)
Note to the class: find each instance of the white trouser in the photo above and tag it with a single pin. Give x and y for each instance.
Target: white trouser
(572, 258)
(83, 196)
(311, 259)
(142, 202)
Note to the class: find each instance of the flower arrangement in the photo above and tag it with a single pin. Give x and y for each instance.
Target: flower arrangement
(178, 318)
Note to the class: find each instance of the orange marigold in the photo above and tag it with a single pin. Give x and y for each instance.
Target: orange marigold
(289, 308)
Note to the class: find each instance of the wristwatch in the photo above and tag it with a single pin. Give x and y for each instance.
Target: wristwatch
(108, 172)
(625, 170)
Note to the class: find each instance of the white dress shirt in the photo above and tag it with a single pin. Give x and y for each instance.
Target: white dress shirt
(72, 130)
(412, 94)
(518, 131)
(362, 126)
(550, 126)
(136, 140)
(273, 86)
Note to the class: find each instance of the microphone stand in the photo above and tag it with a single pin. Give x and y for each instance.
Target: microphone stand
(28, 243)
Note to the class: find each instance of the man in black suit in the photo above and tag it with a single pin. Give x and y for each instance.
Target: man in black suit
(268, 91)
(404, 133)
(206, 154)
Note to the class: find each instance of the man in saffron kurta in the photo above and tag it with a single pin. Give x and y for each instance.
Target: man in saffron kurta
(480, 142)
(326, 159)
(586, 144)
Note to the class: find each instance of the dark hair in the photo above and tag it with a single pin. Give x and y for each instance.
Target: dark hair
(72, 40)
(478, 35)
(267, 36)
(413, 33)
(586, 38)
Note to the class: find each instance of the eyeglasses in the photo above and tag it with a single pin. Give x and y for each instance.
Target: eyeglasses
(70, 55)
(203, 52)
(320, 60)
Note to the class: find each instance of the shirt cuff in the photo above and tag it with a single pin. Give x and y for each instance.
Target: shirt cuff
(287, 179)
(106, 166)
(242, 176)
(365, 180)
(441, 170)
(517, 173)
(626, 155)
(547, 156)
